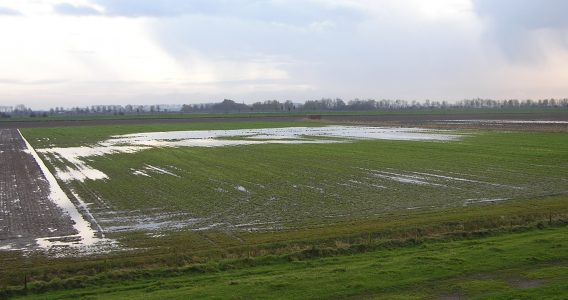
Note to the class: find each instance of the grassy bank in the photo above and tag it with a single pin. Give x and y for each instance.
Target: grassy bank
(527, 265)
(188, 254)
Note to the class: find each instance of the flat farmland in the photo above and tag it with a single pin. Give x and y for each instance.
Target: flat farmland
(241, 204)
(252, 186)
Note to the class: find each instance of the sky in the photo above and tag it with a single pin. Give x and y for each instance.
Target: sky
(86, 52)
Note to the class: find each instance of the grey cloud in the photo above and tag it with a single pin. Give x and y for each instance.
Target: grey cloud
(511, 23)
(524, 14)
(356, 57)
(287, 12)
(5, 11)
(75, 10)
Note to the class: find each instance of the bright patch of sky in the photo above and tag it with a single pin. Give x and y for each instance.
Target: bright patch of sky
(83, 52)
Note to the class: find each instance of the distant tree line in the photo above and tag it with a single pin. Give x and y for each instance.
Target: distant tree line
(320, 105)
(19, 111)
(337, 104)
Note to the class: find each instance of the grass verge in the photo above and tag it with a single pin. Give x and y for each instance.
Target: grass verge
(458, 243)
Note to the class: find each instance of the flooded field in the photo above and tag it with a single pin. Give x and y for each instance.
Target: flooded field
(74, 160)
(265, 179)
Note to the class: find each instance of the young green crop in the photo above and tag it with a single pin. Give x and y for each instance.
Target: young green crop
(276, 186)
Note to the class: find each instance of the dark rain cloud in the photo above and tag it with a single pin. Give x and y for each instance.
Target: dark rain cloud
(75, 10)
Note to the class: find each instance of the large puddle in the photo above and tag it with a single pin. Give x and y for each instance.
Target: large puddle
(289, 135)
(75, 158)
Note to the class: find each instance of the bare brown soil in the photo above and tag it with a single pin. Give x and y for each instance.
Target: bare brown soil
(67, 123)
(447, 121)
(421, 118)
(411, 119)
(26, 211)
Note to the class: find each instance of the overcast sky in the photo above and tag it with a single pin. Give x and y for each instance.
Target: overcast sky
(83, 52)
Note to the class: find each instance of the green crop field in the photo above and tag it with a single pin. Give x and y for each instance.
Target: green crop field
(482, 215)
(292, 185)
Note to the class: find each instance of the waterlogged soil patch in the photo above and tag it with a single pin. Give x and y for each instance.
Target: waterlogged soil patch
(148, 220)
(72, 163)
(463, 184)
(253, 206)
(293, 177)
(149, 169)
(156, 220)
